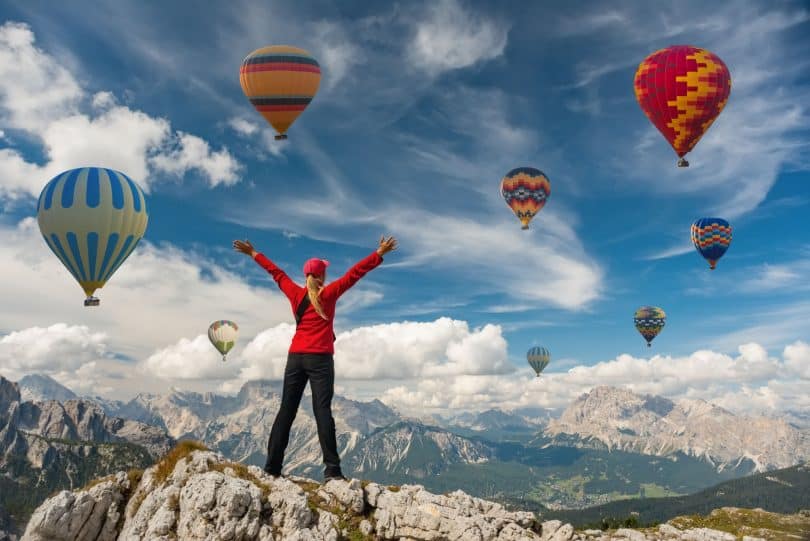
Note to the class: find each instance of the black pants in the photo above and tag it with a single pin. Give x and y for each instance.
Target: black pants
(319, 369)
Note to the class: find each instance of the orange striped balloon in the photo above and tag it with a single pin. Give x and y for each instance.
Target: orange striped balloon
(280, 81)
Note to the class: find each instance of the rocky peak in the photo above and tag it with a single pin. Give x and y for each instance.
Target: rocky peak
(39, 387)
(655, 425)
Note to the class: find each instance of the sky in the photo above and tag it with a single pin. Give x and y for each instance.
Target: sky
(422, 108)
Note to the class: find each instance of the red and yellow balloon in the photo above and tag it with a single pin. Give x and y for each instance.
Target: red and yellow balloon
(682, 89)
(280, 81)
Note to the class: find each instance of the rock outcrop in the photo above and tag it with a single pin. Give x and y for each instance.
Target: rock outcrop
(196, 494)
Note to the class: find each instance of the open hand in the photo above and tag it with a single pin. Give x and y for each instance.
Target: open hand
(245, 247)
(386, 245)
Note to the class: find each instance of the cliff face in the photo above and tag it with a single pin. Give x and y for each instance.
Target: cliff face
(196, 494)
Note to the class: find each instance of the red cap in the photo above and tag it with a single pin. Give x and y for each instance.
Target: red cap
(315, 266)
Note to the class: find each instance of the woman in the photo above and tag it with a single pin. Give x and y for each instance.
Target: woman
(310, 354)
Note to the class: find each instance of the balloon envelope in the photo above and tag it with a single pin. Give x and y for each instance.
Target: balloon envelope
(526, 191)
(280, 81)
(682, 89)
(711, 237)
(92, 218)
(223, 335)
(538, 358)
(649, 321)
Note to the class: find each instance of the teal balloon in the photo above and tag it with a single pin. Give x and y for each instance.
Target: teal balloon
(538, 358)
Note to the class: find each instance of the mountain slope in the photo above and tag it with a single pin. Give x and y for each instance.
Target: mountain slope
(621, 419)
(46, 446)
(239, 426)
(780, 491)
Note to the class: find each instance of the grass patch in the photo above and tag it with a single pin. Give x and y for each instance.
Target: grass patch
(751, 522)
(166, 465)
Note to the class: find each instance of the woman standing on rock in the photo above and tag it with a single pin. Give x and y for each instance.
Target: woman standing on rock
(310, 356)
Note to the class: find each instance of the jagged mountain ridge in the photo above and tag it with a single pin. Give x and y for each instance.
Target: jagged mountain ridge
(621, 419)
(45, 446)
(414, 450)
(239, 426)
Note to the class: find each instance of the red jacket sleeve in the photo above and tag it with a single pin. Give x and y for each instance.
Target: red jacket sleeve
(342, 284)
(287, 286)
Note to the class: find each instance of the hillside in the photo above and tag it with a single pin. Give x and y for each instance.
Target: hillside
(779, 491)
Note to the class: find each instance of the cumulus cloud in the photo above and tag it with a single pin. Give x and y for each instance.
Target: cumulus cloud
(452, 37)
(242, 126)
(186, 152)
(56, 348)
(750, 382)
(41, 97)
(187, 360)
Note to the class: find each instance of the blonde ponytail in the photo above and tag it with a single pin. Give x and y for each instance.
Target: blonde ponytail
(314, 291)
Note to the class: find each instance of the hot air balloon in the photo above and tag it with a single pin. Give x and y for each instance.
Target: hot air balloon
(649, 321)
(92, 218)
(280, 81)
(525, 190)
(711, 237)
(682, 89)
(223, 335)
(538, 358)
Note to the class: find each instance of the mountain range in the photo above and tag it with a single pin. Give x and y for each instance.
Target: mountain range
(608, 445)
(653, 425)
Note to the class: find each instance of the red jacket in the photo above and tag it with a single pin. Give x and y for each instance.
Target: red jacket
(315, 334)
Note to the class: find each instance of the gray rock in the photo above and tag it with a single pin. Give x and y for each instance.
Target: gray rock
(563, 533)
(668, 530)
(348, 495)
(549, 528)
(632, 535)
(91, 514)
(366, 527)
(749, 538)
(706, 534)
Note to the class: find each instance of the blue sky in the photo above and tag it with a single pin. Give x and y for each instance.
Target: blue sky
(422, 109)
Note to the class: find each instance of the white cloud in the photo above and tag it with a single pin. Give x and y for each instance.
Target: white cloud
(750, 382)
(39, 96)
(451, 37)
(403, 350)
(242, 126)
(797, 359)
(188, 360)
(336, 53)
(57, 348)
(104, 100)
(443, 347)
(187, 152)
(35, 88)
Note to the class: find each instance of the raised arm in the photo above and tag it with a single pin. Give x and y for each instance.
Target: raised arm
(287, 286)
(342, 284)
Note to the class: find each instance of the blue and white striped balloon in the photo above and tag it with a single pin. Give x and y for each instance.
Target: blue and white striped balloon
(92, 218)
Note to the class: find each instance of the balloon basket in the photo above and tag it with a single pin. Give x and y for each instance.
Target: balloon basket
(683, 163)
(649, 345)
(524, 227)
(224, 359)
(91, 301)
(281, 137)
